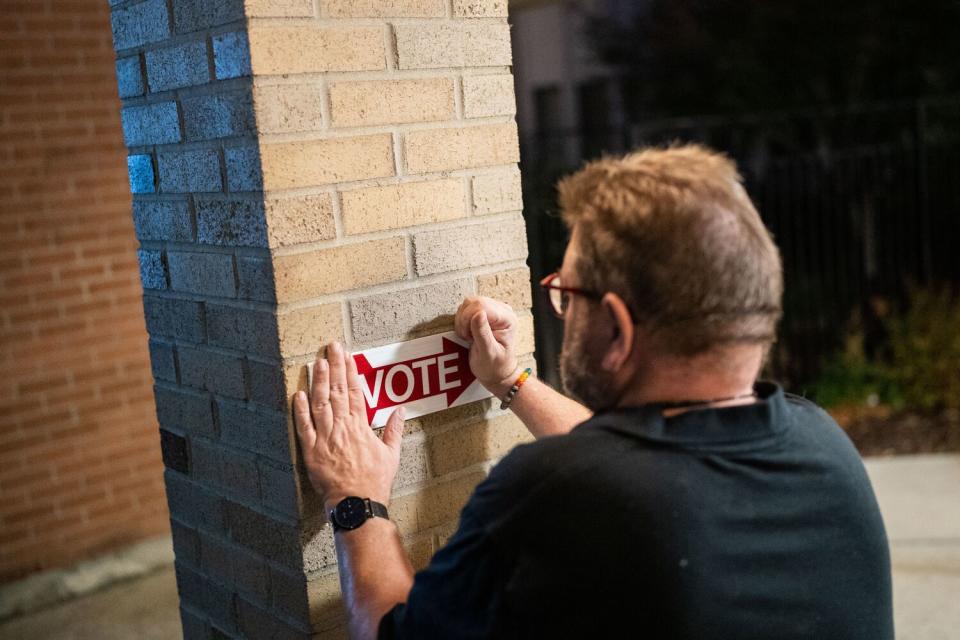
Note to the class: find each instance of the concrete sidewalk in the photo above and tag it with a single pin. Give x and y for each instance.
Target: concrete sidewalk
(919, 497)
(920, 500)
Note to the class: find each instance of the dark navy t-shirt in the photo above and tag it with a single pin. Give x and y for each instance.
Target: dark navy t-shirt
(750, 522)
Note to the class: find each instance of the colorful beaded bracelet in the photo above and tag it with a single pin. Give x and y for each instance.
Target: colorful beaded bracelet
(505, 404)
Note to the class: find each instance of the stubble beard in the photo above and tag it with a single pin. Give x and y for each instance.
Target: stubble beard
(581, 373)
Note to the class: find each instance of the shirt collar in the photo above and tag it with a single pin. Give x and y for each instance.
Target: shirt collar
(726, 425)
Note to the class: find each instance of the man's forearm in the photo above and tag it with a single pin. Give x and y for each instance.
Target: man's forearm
(545, 411)
(375, 574)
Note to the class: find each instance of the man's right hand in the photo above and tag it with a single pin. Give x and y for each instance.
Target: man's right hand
(492, 326)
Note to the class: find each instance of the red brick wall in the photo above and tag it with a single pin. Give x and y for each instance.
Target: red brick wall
(80, 469)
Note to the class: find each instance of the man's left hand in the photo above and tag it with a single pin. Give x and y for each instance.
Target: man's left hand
(343, 455)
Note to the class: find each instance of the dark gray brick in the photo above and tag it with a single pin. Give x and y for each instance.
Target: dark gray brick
(215, 559)
(151, 124)
(267, 385)
(243, 169)
(162, 220)
(163, 361)
(243, 329)
(212, 371)
(194, 627)
(193, 505)
(214, 600)
(231, 55)
(289, 592)
(130, 77)
(251, 575)
(256, 622)
(174, 450)
(181, 66)
(174, 318)
(233, 472)
(278, 488)
(255, 279)
(140, 24)
(142, 177)
(186, 543)
(208, 274)
(236, 223)
(185, 411)
(218, 116)
(192, 171)
(153, 273)
(270, 538)
(194, 15)
(260, 431)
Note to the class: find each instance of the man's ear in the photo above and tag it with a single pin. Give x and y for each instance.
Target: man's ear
(624, 332)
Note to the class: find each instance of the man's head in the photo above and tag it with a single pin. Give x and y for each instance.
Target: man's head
(672, 243)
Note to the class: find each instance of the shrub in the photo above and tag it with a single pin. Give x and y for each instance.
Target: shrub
(925, 350)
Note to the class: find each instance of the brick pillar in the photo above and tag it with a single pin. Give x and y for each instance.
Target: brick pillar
(305, 171)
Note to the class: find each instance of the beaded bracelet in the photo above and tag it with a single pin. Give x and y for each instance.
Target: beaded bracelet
(505, 404)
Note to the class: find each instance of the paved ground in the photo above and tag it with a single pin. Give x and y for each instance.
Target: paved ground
(140, 609)
(920, 500)
(918, 496)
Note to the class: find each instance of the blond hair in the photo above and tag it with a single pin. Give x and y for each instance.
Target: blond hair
(673, 232)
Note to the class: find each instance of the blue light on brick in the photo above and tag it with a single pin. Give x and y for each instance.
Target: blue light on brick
(129, 77)
(231, 55)
(142, 179)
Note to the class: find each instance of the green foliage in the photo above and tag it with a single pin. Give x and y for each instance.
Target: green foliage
(922, 370)
(852, 379)
(925, 345)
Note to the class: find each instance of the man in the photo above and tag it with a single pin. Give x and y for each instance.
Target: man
(681, 499)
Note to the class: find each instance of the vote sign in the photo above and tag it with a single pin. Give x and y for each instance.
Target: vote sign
(423, 376)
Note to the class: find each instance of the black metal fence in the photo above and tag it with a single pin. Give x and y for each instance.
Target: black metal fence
(862, 202)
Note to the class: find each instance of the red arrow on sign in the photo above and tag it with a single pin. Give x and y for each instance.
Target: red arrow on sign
(444, 373)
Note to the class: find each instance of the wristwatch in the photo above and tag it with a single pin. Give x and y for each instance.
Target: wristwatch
(351, 512)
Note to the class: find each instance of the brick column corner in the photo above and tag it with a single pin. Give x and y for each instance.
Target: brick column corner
(306, 171)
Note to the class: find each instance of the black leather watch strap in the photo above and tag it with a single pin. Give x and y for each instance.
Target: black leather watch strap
(377, 510)
(352, 512)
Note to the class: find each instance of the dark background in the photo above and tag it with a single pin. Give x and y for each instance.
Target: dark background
(845, 121)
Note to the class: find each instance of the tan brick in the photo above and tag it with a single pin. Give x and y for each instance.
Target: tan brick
(512, 287)
(497, 192)
(464, 446)
(434, 505)
(318, 162)
(295, 379)
(278, 8)
(315, 49)
(480, 8)
(307, 275)
(420, 550)
(323, 594)
(461, 148)
(440, 420)
(525, 335)
(402, 205)
(452, 44)
(394, 314)
(488, 96)
(298, 220)
(457, 248)
(385, 8)
(287, 108)
(355, 104)
(303, 331)
(413, 462)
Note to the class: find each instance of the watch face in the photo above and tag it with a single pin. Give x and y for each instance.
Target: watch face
(351, 512)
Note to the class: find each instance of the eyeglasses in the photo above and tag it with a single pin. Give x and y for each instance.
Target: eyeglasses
(559, 295)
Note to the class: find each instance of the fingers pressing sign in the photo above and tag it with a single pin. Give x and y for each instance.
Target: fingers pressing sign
(342, 453)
